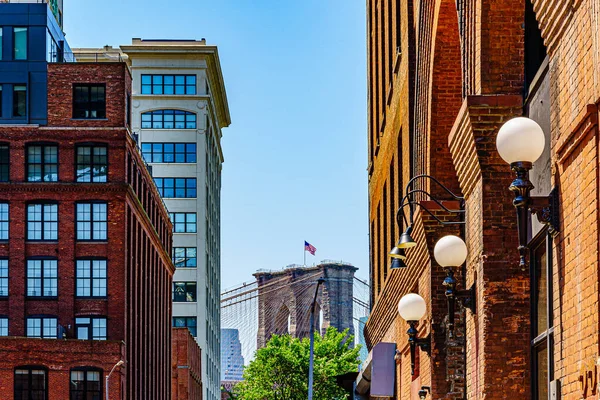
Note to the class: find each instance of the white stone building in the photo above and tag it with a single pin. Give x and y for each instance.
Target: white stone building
(179, 107)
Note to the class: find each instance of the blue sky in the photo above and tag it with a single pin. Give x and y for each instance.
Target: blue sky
(295, 153)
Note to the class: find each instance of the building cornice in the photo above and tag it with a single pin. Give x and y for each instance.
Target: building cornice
(187, 51)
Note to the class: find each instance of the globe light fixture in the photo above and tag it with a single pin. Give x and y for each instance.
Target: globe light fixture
(451, 251)
(520, 142)
(412, 308)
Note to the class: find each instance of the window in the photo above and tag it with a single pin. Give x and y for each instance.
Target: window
(184, 257)
(168, 84)
(169, 152)
(176, 187)
(89, 101)
(30, 383)
(0, 58)
(3, 278)
(92, 221)
(542, 324)
(19, 101)
(186, 322)
(168, 119)
(91, 328)
(42, 163)
(183, 222)
(42, 327)
(42, 278)
(184, 291)
(4, 155)
(20, 41)
(85, 384)
(42, 221)
(4, 221)
(91, 278)
(0, 85)
(3, 326)
(92, 164)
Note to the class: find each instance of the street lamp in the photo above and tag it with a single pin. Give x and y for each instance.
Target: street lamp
(406, 241)
(312, 341)
(412, 308)
(520, 142)
(121, 362)
(451, 251)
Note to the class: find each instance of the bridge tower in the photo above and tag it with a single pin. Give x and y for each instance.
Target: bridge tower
(285, 297)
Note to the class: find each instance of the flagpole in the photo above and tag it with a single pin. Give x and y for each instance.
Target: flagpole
(304, 247)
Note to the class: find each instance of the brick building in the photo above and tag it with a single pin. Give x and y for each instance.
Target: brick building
(85, 266)
(444, 76)
(186, 379)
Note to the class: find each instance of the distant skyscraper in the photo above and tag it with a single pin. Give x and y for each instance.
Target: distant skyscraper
(232, 362)
(362, 321)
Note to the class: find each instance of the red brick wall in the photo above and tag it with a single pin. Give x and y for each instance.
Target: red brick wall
(186, 378)
(62, 77)
(59, 357)
(138, 249)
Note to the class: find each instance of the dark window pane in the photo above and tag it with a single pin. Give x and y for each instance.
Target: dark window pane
(19, 101)
(89, 101)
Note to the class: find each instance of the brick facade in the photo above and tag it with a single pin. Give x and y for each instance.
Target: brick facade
(186, 378)
(137, 250)
(460, 75)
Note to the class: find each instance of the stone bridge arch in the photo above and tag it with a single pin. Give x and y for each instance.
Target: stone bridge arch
(285, 297)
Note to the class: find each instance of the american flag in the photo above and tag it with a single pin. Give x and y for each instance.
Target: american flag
(310, 248)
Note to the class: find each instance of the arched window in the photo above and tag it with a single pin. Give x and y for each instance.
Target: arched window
(168, 119)
(31, 382)
(86, 383)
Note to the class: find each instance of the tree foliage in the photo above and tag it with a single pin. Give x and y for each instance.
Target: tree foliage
(280, 370)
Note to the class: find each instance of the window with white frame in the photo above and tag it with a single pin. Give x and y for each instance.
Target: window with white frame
(92, 221)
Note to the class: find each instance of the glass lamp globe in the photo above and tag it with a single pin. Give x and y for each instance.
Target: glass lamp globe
(520, 139)
(412, 307)
(450, 251)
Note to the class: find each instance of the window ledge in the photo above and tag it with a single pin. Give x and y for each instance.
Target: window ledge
(91, 298)
(89, 119)
(43, 298)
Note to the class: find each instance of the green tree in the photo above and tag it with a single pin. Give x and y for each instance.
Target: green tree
(279, 371)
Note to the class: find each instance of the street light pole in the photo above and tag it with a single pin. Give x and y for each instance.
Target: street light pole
(121, 362)
(312, 341)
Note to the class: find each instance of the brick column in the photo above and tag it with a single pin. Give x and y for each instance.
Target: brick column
(498, 337)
